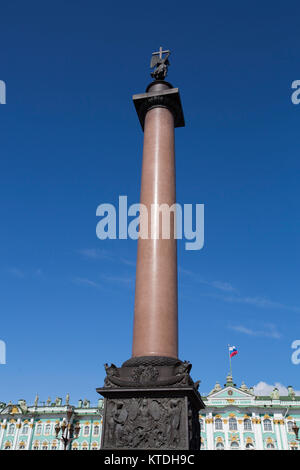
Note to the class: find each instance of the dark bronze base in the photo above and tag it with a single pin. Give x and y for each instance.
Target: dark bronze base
(151, 403)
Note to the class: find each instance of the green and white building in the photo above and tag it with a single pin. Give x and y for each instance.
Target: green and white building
(234, 418)
(237, 419)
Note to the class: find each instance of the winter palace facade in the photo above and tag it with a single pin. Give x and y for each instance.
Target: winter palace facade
(234, 419)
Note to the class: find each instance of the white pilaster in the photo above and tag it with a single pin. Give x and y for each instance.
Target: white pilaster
(240, 427)
(277, 433)
(283, 432)
(30, 433)
(18, 427)
(226, 432)
(209, 431)
(3, 425)
(258, 433)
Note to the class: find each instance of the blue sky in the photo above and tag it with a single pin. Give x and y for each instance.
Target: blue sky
(70, 140)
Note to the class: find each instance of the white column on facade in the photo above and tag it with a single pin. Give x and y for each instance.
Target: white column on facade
(209, 431)
(258, 432)
(3, 426)
(254, 427)
(276, 424)
(31, 424)
(226, 433)
(283, 432)
(240, 427)
(18, 427)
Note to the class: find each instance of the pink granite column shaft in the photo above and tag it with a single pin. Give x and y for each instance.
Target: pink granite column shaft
(155, 316)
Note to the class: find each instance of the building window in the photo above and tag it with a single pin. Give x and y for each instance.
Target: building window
(95, 446)
(290, 426)
(7, 445)
(232, 424)
(36, 445)
(84, 446)
(22, 445)
(39, 429)
(48, 429)
(220, 446)
(54, 445)
(96, 430)
(86, 430)
(267, 425)
(45, 446)
(218, 424)
(25, 429)
(11, 429)
(249, 446)
(234, 445)
(247, 425)
(270, 446)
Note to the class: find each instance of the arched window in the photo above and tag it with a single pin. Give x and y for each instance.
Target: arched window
(218, 424)
(96, 430)
(267, 425)
(39, 429)
(45, 445)
(234, 445)
(86, 430)
(247, 424)
(54, 445)
(7, 445)
(290, 425)
(25, 429)
(249, 446)
(95, 446)
(220, 446)
(84, 446)
(22, 445)
(75, 446)
(11, 429)
(270, 446)
(232, 424)
(36, 445)
(48, 429)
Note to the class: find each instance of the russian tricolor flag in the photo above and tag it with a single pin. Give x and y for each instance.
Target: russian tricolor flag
(232, 351)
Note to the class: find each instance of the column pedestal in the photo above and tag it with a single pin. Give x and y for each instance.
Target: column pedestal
(151, 403)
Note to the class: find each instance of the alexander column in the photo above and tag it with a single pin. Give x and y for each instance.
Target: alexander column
(151, 402)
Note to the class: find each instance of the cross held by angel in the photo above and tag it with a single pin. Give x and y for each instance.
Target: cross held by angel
(160, 60)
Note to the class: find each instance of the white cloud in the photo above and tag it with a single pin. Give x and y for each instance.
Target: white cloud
(262, 388)
(16, 272)
(219, 285)
(269, 331)
(224, 286)
(85, 281)
(93, 253)
(261, 302)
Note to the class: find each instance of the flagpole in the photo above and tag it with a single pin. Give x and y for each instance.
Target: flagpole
(229, 360)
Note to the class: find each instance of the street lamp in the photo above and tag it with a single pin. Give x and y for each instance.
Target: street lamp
(69, 432)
